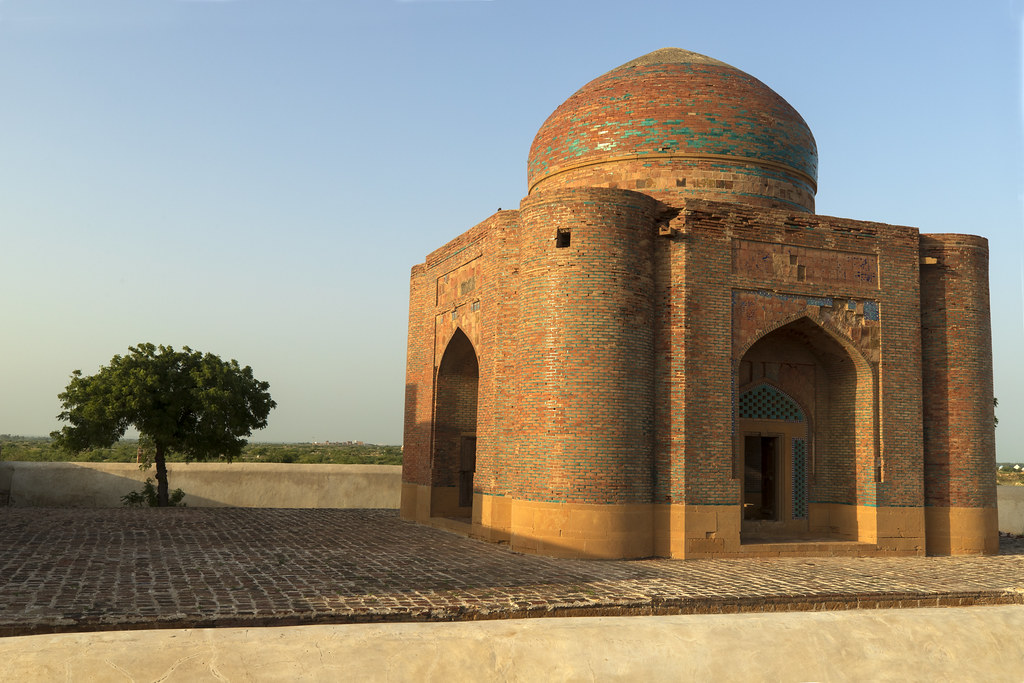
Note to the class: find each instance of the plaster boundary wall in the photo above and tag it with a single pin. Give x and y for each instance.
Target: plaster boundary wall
(883, 644)
(268, 485)
(256, 485)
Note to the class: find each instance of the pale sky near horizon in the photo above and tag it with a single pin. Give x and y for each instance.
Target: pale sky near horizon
(255, 178)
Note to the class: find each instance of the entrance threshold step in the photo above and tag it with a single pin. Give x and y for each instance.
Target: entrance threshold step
(460, 525)
(811, 547)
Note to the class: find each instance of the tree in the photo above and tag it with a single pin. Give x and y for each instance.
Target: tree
(183, 401)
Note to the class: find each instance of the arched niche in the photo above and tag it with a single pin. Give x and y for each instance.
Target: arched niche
(806, 406)
(453, 452)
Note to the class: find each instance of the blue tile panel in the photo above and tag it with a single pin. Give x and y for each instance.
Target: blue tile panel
(765, 402)
(799, 479)
(871, 310)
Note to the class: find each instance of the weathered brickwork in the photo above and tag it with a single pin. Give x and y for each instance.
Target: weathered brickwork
(585, 353)
(957, 377)
(698, 128)
(791, 263)
(582, 370)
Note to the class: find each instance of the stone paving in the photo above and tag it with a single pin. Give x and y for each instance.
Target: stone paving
(100, 569)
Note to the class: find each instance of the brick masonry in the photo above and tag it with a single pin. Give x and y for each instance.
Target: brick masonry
(605, 331)
(698, 128)
(119, 569)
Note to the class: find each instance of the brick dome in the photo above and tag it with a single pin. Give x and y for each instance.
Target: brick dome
(677, 124)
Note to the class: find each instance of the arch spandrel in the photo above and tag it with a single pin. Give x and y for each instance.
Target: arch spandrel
(451, 344)
(851, 323)
(447, 328)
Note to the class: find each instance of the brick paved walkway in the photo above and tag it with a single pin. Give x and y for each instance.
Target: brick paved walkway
(86, 569)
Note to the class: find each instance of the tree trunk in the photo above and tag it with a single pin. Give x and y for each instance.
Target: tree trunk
(162, 499)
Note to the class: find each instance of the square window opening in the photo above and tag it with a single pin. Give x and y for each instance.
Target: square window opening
(563, 238)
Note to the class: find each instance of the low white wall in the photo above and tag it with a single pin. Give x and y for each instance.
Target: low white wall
(933, 644)
(263, 485)
(1011, 509)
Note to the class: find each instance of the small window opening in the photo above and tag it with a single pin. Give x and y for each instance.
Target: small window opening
(563, 238)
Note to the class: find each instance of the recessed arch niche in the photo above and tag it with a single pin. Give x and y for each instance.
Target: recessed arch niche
(453, 458)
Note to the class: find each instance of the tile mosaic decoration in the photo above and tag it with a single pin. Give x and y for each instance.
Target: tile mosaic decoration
(799, 479)
(765, 402)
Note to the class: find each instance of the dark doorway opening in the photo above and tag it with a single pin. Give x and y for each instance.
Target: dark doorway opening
(761, 477)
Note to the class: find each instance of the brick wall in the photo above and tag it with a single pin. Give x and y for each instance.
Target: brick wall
(419, 385)
(584, 359)
(606, 375)
(849, 280)
(451, 291)
(665, 260)
(959, 434)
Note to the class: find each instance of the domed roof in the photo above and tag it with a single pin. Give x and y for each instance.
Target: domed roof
(678, 122)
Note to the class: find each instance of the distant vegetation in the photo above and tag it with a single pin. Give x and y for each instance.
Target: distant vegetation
(41, 449)
(1010, 475)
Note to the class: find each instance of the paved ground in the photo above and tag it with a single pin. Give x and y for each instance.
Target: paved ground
(103, 569)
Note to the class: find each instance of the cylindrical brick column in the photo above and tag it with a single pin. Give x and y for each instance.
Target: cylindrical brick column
(585, 357)
(419, 388)
(959, 430)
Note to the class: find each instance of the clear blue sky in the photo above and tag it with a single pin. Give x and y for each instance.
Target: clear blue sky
(255, 178)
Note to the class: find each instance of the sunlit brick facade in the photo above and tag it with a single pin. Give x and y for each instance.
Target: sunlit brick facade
(665, 352)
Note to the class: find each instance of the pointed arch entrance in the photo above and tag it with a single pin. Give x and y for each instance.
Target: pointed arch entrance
(453, 450)
(774, 433)
(806, 445)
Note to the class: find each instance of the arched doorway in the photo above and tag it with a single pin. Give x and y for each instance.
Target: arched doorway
(774, 434)
(453, 454)
(806, 450)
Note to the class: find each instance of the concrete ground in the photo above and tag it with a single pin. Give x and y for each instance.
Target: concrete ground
(354, 574)
(936, 644)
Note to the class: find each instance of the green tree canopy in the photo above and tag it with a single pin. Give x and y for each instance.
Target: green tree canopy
(183, 401)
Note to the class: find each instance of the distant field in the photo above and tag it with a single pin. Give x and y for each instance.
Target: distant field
(41, 450)
(1007, 476)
